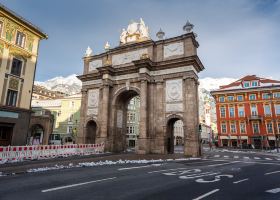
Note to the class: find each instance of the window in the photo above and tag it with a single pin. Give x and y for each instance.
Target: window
(230, 98)
(254, 110)
(252, 97)
(20, 40)
(278, 127)
(224, 127)
(277, 109)
(16, 67)
(240, 98)
(223, 111)
(265, 96)
(246, 84)
(256, 128)
(69, 129)
(70, 118)
(269, 128)
(231, 111)
(242, 127)
(255, 84)
(232, 128)
(276, 95)
(11, 98)
(222, 99)
(267, 110)
(241, 112)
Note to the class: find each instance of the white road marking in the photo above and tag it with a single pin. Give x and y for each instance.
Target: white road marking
(272, 172)
(221, 164)
(164, 170)
(198, 175)
(226, 156)
(268, 158)
(206, 194)
(236, 157)
(217, 156)
(257, 158)
(143, 166)
(274, 191)
(216, 179)
(77, 184)
(246, 157)
(182, 172)
(277, 158)
(242, 180)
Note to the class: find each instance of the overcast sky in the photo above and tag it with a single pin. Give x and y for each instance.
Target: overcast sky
(236, 37)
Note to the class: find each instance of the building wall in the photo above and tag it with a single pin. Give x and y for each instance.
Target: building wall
(15, 116)
(249, 118)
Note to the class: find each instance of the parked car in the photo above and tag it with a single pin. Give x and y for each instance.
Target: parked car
(55, 139)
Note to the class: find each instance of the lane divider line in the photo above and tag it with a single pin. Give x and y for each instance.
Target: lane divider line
(272, 172)
(207, 194)
(274, 191)
(77, 184)
(137, 167)
(242, 180)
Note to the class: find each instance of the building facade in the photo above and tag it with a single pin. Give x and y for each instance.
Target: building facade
(133, 112)
(248, 112)
(66, 112)
(19, 43)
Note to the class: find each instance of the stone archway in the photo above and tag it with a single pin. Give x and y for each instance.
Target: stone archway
(163, 73)
(37, 134)
(91, 130)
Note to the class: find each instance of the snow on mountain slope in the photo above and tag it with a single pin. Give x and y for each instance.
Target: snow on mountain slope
(209, 83)
(69, 85)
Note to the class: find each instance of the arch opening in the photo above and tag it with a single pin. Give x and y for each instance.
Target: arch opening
(175, 136)
(126, 113)
(91, 129)
(37, 134)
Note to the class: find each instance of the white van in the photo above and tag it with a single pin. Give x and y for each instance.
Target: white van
(55, 139)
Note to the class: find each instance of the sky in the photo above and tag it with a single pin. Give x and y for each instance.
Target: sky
(236, 37)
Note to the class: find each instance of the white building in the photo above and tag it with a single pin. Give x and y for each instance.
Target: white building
(133, 111)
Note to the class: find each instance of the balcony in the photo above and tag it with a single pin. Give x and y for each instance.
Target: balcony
(255, 118)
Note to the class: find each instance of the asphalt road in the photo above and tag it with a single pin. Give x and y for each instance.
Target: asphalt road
(218, 175)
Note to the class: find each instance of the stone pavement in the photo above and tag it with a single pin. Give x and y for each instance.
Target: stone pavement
(22, 167)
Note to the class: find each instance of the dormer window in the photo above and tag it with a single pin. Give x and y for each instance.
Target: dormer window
(20, 41)
(255, 83)
(246, 84)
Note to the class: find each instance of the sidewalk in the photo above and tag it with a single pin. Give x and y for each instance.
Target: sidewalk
(22, 167)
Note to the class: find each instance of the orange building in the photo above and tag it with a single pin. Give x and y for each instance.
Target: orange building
(248, 112)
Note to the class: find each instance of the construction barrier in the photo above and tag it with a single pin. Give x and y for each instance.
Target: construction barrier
(36, 152)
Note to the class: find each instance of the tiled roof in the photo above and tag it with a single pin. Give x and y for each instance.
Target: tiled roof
(238, 83)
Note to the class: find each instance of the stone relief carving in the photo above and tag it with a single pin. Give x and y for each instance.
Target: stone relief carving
(93, 99)
(173, 49)
(177, 107)
(119, 118)
(94, 64)
(128, 57)
(174, 90)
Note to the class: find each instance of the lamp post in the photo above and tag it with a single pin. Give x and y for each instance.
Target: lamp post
(274, 122)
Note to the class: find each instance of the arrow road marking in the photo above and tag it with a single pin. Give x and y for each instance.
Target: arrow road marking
(206, 194)
(217, 156)
(77, 184)
(257, 158)
(198, 175)
(268, 158)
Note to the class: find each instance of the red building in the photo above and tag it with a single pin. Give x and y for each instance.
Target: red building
(248, 112)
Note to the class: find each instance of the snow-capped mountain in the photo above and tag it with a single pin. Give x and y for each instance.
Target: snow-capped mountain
(209, 83)
(68, 85)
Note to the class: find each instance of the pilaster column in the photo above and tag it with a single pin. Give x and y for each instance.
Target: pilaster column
(192, 139)
(82, 128)
(105, 111)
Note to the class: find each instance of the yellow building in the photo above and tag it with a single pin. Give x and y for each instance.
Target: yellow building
(66, 113)
(19, 43)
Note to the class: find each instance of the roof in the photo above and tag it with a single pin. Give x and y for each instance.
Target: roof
(24, 21)
(238, 84)
(46, 103)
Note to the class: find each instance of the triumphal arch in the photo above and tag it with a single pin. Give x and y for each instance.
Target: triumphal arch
(163, 73)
